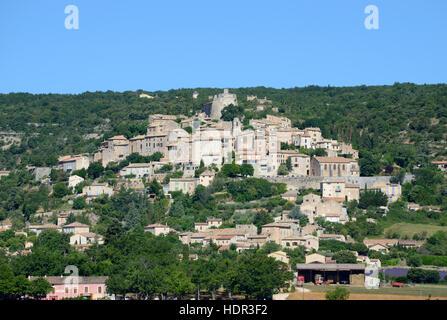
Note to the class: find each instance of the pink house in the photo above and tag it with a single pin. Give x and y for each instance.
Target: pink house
(68, 287)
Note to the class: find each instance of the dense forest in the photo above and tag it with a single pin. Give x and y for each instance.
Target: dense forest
(403, 124)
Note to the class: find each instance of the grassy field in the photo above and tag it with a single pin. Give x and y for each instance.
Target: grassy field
(410, 229)
(418, 292)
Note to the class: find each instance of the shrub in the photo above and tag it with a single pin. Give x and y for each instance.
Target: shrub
(338, 293)
(390, 262)
(79, 203)
(414, 261)
(430, 260)
(402, 279)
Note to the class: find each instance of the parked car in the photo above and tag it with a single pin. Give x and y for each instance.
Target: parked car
(398, 284)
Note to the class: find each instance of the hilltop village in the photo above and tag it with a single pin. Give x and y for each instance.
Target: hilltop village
(206, 143)
(188, 152)
(215, 182)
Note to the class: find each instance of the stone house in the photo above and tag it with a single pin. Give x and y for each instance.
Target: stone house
(186, 185)
(206, 177)
(280, 256)
(157, 229)
(327, 236)
(280, 230)
(303, 140)
(73, 163)
(39, 228)
(309, 206)
(392, 190)
(309, 242)
(339, 190)
(96, 190)
(76, 228)
(114, 149)
(300, 164)
(440, 164)
(86, 239)
(74, 180)
(315, 134)
(138, 170)
(332, 211)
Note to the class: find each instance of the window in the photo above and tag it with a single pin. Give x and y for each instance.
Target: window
(99, 289)
(66, 289)
(85, 289)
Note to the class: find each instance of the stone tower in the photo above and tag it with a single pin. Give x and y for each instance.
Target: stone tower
(220, 101)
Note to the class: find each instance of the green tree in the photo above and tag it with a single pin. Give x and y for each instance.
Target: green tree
(423, 276)
(79, 203)
(113, 232)
(369, 165)
(247, 170)
(261, 276)
(230, 112)
(60, 190)
(230, 170)
(344, 257)
(282, 170)
(372, 198)
(262, 218)
(117, 284)
(95, 170)
(155, 188)
(39, 288)
(398, 176)
(414, 261)
(295, 213)
(6, 281)
(178, 283)
(289, 164)
(270, 247)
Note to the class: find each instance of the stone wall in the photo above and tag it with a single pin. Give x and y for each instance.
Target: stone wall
(357, 279)
(296, 183)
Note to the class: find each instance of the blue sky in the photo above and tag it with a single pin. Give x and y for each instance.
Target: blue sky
(161, 45)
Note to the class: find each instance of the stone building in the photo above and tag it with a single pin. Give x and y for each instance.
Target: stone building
(186, 185)
(300, 164)
(309, 206)
(220, 101)
(73, 163)
(332, 211)
(339, 190)
(206, 177)
(392, 190)
(334, 167)
(315, 135)
(114, 149)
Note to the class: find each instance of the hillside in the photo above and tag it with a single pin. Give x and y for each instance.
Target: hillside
(403, 124)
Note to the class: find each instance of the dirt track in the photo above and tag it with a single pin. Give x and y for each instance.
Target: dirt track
(359, 296)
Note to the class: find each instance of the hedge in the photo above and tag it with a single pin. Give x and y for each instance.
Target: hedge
(430, 260)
